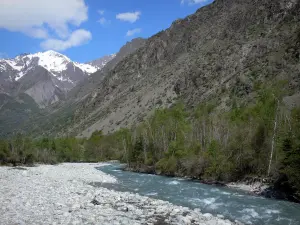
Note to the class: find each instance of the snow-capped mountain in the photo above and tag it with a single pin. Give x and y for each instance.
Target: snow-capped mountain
(60, 66)
(45, 76)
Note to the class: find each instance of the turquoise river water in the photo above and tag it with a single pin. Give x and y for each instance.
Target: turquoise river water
(232, 204)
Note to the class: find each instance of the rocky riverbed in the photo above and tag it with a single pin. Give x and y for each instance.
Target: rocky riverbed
(62, 194)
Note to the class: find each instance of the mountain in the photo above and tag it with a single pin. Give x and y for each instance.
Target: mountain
(15, 112)
(92, 82)
(66, 72)
(45, 90)
(220, 53)
(101, 62)
(45, 76)
(126, 50)
(30, 83)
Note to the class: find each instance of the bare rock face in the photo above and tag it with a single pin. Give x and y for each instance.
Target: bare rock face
(42, 87)
(92, 82)
(125, 51)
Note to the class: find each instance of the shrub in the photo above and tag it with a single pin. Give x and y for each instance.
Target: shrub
(167, 166)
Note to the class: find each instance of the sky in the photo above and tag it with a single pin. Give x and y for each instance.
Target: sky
(84, 30)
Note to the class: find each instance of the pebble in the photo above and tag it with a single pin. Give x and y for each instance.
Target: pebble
(61, 195)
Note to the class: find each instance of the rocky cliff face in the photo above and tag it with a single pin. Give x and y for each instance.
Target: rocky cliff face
(42, 87)
(92, 83)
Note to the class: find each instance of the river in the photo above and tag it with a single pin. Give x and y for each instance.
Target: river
(232, 204)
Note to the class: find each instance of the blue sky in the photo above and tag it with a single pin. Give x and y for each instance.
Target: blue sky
(84, 29)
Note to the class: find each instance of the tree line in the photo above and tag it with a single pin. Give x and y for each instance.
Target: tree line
(258, 138)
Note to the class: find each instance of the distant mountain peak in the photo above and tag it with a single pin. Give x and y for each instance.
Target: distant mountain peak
(44, 74)
(101, 62)
(52, 53)
(55, 62)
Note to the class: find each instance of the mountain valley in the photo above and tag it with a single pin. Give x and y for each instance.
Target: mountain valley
(189, 61)
(204, 114)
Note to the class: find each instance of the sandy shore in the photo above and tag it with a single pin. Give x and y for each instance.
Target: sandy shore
(61, 194)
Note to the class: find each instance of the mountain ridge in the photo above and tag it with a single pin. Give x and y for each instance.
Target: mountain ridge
(63, 75)
(222, 47)
(101, 62)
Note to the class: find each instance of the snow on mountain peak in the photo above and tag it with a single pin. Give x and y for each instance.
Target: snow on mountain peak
(86, 67)
(59, 65)
(52, 61)
(53, 54)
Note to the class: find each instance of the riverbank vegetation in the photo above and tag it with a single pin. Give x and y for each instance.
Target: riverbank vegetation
(259, 138)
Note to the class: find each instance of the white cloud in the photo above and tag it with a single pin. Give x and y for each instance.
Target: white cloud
(133, 32)
(104, 21)
(101, 12)
(77, 38)
(52, 21)
(37, 32)
(193, 2)
(37, 18)
(129, 16)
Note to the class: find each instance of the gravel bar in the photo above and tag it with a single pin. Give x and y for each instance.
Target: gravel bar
(61, 194)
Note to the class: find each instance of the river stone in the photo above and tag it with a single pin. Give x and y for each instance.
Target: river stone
(207, 215)
(29, 200)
